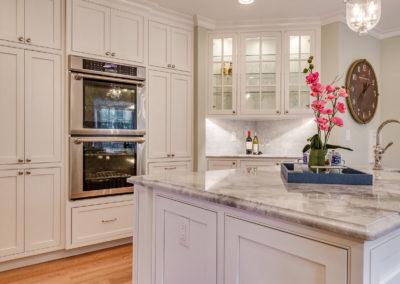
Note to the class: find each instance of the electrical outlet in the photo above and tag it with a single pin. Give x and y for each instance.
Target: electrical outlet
(184, 231)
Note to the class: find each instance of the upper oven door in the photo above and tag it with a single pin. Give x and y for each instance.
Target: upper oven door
(101, 105)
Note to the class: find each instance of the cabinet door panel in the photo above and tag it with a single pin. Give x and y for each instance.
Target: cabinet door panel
(158, 118)
(181, 49)
(181, 116)
(42, 107)
(254, 253)
(185, 245)
(127, 36)
(158, 45)
(11, 105)
(11, 212)
(221, 164)
(90, 28)
(166, 168)
(42, 208)
(43, 22)
(11, 19)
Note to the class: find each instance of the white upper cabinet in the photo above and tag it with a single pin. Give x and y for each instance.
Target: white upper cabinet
(42, 107)
(222, 87)
(90, 28)
(299, 46)
(103, 31)
(170, 47)
(181, 116)
(260, 76)
(11, 212)
(126, 36)
(35, 22)
(11, 105)
(43, 23)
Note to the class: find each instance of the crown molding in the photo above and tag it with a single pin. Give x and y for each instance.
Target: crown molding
(204, 22)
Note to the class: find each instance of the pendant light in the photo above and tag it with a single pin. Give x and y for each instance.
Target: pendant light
(362, 15)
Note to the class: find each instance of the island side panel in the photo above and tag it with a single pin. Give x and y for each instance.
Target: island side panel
(142, 235)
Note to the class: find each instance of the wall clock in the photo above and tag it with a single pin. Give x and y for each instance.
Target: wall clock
(362, 87)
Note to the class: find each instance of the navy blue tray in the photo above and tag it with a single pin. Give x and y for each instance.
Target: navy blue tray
(348, 176)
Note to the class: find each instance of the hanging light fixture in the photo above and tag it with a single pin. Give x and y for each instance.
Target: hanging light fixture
(362, 15)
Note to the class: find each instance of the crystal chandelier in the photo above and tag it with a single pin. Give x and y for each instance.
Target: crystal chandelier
(362, 15)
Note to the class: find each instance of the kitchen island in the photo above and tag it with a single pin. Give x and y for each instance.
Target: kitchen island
(250, 226)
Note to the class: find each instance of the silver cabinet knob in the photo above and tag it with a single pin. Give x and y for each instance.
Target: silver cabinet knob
(173, 65)
(28, 160)
(234, 163)
(28, 40)
(113, 54)
(108, 53)
(20, 173)
(28, 173)
(286, 111)
(20, 38)
(278, 111)
(172, 155)
(169, 65)
(20, 160)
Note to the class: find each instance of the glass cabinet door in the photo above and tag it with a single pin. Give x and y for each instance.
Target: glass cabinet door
(223, 65)
(299, 49)
(260, 76)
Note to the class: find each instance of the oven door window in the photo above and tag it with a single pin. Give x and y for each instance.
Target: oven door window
(109, 105)
(107, 165)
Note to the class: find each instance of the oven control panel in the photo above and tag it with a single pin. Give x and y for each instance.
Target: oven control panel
(109, 67)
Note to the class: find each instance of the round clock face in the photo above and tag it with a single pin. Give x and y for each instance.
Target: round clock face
(362, 88)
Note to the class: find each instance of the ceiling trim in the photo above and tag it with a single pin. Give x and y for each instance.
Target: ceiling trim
(204, 22)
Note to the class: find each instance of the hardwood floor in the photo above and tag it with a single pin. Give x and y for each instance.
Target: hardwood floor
(107, 266)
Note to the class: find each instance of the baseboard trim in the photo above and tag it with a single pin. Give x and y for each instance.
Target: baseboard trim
(31, 260)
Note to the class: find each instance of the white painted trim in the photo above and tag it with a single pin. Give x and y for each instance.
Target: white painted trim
(204, 22)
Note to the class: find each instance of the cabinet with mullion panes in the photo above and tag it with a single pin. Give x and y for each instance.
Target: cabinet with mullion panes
(223, 99)
(297, 98)
(260, 83)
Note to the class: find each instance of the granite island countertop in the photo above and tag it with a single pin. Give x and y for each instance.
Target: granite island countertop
(261, 156)
(362, 212)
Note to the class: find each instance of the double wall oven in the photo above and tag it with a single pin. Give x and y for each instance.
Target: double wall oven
(107, 126)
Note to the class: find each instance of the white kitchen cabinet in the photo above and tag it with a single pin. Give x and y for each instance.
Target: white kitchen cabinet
(11, 105)
(185, 243)
(254, 253)
(126, 36)
(42, 208)
(170, 47)
(170, 115)
(42, 107)
(169, 167)
(11, 212)
(221, 164)
(32, 22)
(107, 32)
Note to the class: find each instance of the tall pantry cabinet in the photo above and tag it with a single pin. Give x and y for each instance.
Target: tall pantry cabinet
(30, 126)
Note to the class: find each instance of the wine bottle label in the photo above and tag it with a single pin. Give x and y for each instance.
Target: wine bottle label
(249, 145)
(255, 146)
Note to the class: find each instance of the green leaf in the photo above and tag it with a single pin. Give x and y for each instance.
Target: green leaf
(330, 146)
(306, 148)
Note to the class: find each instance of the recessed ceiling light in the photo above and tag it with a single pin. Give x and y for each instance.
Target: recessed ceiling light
(245, 2)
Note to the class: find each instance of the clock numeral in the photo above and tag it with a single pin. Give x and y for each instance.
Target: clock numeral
(364, 67)
(354, 101)
(359, 68)
(352, 89)
(373, 105)
(354, 77)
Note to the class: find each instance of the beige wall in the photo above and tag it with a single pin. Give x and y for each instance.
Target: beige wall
(340, 48)
(390, 98)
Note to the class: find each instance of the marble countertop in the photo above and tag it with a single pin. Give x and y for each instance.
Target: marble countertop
(362, 212)
(244, 156)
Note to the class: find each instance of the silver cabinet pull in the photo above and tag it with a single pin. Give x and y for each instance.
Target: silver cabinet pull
(172, 155)
(20, 173)
(113, 54)
(28, 173)
(108, 53)
(20, 160)
(20, 38)
(278, 111)
(28, 160)
(169, 155)
(169, 65)
(28, 40)
(108, 139)
(109, 221)
(171, 168)
(79, 76)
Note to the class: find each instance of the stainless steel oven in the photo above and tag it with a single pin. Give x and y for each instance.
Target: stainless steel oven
(106, 98)
(99, 166)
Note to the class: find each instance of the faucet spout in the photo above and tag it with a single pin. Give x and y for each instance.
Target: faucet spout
(379, 151)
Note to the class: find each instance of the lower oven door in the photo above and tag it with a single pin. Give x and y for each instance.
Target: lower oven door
(99, 166)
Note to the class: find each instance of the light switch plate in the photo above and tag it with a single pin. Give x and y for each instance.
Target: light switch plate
(184, 227)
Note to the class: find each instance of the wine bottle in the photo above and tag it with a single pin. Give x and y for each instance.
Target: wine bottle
(225, 70)
(249, 144)
(255, 144)
(230, 69)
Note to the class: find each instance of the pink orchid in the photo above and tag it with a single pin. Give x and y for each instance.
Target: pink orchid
(317, 88)
(324, 127)
(326, 111)
(330, 97)
(321, 120)
(342, 93)
(318, 105)
(312, 78)
(329, 89)
(337, 121)
(340, 107)
(313, 94)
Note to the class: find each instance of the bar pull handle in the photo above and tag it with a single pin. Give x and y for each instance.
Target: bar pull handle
(109, 221)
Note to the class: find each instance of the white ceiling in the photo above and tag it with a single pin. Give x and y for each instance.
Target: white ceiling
(230, 10)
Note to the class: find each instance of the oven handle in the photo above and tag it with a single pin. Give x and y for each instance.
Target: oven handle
(109, 139)
(79, 76)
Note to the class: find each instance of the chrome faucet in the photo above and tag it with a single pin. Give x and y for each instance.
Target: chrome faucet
(379, 151)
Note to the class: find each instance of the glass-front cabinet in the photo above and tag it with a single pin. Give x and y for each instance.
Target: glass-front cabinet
(260, 73)
(299, 47)
(223, 75)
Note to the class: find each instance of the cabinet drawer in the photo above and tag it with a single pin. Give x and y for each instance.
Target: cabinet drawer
(158, 168)
(221, 164)
(100, 223)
